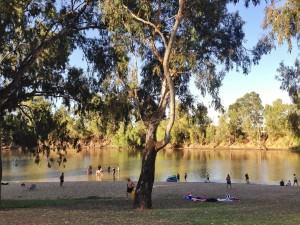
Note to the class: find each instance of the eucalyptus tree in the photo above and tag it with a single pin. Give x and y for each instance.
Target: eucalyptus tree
(246, 116)
(173, 41)
(290, 81)
(282, 18)
(276, 119)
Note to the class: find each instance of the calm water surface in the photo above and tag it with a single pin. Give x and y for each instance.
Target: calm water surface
(264, 167)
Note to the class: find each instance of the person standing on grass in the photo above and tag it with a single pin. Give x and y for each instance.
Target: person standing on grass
(62, 179)
(295, 180)
(228, 181)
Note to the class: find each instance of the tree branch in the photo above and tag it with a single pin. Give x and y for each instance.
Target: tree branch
(179, 17)
(156, 29)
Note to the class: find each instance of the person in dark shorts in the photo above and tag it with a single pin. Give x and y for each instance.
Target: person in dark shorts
(130, 187)
(228, 181)
(295, 180)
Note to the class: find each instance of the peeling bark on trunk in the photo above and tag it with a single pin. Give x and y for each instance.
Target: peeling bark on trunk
(143, 192)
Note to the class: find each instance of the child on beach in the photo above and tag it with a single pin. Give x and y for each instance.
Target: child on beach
(130, 187)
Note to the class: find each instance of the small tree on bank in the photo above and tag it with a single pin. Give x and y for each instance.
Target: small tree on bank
(174, 40)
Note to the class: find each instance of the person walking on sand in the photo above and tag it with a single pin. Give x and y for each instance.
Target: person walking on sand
(295, 180)
(247, 178)
(228, 181)
(185, 176)
(62, 179)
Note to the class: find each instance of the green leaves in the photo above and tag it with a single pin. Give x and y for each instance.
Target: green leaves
(283, 19)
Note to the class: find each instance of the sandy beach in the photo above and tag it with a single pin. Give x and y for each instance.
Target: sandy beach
(161, 190)
(105, 203)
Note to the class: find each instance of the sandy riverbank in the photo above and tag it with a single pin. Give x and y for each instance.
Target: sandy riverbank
(161, 190)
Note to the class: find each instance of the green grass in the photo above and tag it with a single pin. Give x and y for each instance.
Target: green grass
(170, 211)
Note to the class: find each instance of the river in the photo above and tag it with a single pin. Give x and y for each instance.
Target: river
(263, 167)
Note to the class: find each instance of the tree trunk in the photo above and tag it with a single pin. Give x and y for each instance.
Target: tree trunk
(143, 191)
(0, 162)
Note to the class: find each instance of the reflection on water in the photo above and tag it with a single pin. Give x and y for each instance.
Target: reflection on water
(267, 167)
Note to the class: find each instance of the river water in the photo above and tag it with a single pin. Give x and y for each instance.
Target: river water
(263, 167)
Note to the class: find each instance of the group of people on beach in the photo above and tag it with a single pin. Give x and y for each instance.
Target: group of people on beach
(289, 183)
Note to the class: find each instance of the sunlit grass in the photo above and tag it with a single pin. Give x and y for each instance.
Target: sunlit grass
(184, 212)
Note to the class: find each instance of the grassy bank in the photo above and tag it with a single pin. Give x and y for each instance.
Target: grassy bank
(167, 211)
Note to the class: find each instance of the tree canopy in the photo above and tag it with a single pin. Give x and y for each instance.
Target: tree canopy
(36, 41)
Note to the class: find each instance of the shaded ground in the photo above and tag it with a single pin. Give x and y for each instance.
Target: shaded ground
(105, 203)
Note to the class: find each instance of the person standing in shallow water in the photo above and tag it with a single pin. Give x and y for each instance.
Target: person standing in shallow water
(178, 177)
(62, 179)
(228, 181)
(295, 180)
(247, 178)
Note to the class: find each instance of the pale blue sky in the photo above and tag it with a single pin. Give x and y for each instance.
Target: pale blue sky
(261, 78)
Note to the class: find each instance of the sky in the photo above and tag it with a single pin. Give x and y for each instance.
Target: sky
(261, 78)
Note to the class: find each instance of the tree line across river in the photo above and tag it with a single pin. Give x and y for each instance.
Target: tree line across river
(246, 122)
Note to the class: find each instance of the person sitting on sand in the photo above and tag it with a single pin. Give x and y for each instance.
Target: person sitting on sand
(130, 187)
(281, 183)
(288, 184)
(32, 187)
(228, 181)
